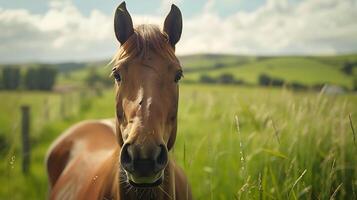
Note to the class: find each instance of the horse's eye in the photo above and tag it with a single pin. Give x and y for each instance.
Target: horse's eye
(117, 76)
(178, 76)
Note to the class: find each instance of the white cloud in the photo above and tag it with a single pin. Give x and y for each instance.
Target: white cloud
(61, 33)
(166, 4)
(277, 27)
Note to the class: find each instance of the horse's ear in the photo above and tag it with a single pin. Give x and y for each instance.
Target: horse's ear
(173, 25)
(123, 25)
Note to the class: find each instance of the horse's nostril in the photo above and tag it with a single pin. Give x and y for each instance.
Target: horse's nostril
(132, 161)
(161, 159)
(125, 158)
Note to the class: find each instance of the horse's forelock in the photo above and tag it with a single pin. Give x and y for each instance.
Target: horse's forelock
(146, 37)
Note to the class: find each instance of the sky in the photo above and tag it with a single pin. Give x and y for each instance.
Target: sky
(82, 30)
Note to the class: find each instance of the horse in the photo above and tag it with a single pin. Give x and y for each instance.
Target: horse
(128, 157)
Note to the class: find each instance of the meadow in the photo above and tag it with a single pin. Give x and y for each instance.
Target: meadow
(305, 70)
(234, 141)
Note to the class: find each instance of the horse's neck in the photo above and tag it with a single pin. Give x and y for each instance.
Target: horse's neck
(104, 181)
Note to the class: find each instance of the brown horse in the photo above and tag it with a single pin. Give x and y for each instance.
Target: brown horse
(127, 158)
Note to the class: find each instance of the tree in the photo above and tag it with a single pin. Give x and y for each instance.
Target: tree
(218, 65)
(297, 86)
(42, 78)
(93, 78)
(277, 82)
(30, 79)
(264, 80)
(1, 82)
(46, 77)
(226, 78)
(206, 79)
(11, 78)
(348, 68)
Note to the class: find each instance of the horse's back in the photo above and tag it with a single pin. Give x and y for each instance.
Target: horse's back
(77, 154)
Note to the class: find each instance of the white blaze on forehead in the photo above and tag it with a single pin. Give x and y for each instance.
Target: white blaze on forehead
(140, 95)
(148, 104)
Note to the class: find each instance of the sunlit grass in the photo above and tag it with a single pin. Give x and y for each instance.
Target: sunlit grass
(233, 143)
(291, 69)
(308, 153)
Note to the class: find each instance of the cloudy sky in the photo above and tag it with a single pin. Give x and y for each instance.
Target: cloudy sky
(82, 30)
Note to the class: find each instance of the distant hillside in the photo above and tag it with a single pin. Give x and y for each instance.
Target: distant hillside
(61, 67)
(307, 70)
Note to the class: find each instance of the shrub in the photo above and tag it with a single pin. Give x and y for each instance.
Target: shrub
(97, 80)
(239, 82)
(1, 83)
(264, 80)
(318, 86)
(226, 79)
(207, 79)
(348, 68)
(218, 65)
(297, 86)
(277, 82)
(93, 77)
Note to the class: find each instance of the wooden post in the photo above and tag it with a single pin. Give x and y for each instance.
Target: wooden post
(25, 110)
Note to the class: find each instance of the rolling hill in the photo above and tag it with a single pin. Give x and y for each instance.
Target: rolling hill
(307, 70)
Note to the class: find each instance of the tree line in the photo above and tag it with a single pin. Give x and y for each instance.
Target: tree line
(34, 78)
(264, 80)
(348, 67)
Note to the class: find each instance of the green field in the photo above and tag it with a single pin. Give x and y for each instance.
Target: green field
(306, 70)
(233, 142)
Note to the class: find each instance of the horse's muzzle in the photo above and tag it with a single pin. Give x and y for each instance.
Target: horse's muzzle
(146, 182)
(144, 171)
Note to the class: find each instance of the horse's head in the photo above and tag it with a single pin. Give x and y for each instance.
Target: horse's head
(147, 74)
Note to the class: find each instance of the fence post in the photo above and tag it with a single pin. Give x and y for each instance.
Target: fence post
(25, 111)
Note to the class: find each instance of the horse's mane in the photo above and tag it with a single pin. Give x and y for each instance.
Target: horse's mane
(146, 37)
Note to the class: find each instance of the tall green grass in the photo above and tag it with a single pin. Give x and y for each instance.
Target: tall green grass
(234, 143)
(239, 143)
(50, 114)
